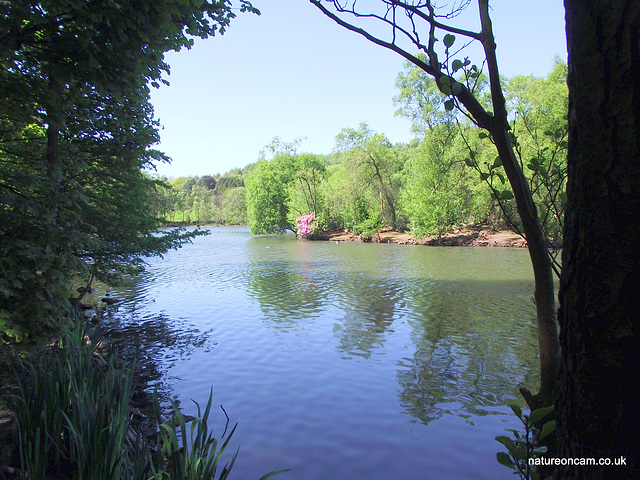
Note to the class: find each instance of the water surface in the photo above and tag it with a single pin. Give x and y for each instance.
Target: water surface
(344, 361)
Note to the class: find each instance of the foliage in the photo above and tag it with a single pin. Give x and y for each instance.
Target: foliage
(268, 196)
(375, 165)
(308, 173)
(234, 206)
(207, 181)
(200, 200)
(429, 27)
(440, 192)
(76, 130)
(420, 99)
(192, 453)
(280, 189)
(73, 412)
(527, 446)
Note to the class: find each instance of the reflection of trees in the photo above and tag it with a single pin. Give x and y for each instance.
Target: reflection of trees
(463, 359)
(290, 285)
(474, 337)
(369, 305)
(286, 286)
(285, 290)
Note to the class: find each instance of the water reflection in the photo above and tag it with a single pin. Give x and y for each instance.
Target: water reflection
(472, 339)
(369, 307)
(467, 355)
(284, 282)
(347, 351)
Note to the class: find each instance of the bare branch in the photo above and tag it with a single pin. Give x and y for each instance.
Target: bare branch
(482, 118)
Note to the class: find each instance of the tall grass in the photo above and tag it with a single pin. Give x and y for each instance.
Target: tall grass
(72, 411)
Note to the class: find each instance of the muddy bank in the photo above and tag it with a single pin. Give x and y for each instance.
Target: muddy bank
(455, 238)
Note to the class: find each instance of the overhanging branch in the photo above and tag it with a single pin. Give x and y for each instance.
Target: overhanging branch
(482, 118)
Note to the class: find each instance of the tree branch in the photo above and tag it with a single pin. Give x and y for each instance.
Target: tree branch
(465, 96)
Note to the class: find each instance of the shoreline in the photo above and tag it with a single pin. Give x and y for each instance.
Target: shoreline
(464, 237)
(455, 238)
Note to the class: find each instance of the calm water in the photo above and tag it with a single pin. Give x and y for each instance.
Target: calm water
(343, 361)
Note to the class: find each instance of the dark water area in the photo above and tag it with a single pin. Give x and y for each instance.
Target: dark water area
(342, 361)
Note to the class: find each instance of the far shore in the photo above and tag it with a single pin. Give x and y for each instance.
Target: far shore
(455, 238)
(465, 237)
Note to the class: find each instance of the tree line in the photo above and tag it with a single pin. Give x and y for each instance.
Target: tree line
(448, 176)
(202, 199)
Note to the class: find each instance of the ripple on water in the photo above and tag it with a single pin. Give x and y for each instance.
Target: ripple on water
(349, 361)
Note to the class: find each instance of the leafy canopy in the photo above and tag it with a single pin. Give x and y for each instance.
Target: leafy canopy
(76, 131)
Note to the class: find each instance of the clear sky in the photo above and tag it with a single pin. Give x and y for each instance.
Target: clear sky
(293, 73)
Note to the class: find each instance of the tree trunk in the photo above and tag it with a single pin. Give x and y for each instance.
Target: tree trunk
(598, 400)
(544, 294)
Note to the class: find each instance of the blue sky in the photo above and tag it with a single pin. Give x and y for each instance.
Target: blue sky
(293, 73)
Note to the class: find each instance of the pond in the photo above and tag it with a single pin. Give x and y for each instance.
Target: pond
(343, 361)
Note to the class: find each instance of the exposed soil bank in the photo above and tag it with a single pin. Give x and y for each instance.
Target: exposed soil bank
(457, 238)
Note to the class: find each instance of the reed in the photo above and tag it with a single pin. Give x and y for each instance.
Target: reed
(72, 411)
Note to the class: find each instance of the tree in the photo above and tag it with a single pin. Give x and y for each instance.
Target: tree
(420, 99)
(371, 155)
(414, 27)
(76, 130)
(538, 108)
(267, 194)
(207, 181)
(234, 206)
(597, 403)
(308, 173)
(441, 190)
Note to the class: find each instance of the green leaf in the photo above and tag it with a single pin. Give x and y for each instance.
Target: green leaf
(505, 460)
(539, 414)
(483, 134)
(456, 65)
(497, 163)
(547, 428)
(506, 195)
(543, 171)
(469, 162)
(516, 409)
(506, 441)
(273, 474)
(457, 88)
(448, 40)
(448, 105)
(518, 453)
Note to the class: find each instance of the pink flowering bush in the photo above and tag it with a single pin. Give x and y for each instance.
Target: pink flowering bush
(305, 223)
